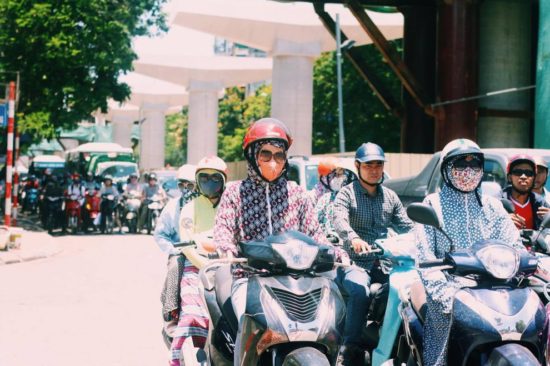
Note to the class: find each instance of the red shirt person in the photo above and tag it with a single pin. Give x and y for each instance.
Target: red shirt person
(530, 207)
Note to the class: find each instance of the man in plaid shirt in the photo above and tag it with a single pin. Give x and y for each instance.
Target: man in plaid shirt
(363, 211)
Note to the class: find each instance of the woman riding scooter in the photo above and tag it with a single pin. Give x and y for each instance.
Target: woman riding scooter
(188, 219)
(467, 217)
(263, 204)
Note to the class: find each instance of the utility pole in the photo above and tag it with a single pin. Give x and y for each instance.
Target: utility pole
(341, 135)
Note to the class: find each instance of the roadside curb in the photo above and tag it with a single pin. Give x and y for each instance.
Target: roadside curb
(36, 245)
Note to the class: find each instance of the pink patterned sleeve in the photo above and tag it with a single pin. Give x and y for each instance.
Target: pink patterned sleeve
(226, 228)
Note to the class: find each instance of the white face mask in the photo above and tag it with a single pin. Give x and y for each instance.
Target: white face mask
(337, 183)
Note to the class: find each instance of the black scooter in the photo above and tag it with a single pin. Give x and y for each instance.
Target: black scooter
(294, 315)
(499, 321)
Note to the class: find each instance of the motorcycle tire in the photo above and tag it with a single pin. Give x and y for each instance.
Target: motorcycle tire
(132, 226)
(109, 224)
(149, 222)
(306, 356)
(511, 354)
(49, 224)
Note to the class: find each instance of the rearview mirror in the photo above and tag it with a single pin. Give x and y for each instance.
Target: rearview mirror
(545, 222)
(423, 214)
(508, 205)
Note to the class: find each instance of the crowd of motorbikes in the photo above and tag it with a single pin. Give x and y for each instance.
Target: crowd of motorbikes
(295, 312)
(94, 211)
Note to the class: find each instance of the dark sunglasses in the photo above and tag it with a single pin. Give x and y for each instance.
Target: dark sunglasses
(204, 177)
(187, 185)
(266, 155)
(462, 164)
(519, 172)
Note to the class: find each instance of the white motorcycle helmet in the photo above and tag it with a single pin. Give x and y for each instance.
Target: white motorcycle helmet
(187, 172)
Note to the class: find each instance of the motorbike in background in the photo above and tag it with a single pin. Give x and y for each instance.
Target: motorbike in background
(30, 200)
(129, 211)
(108, 205)
(54, 215)
(73, 211)
(92, 208)
(154, 208)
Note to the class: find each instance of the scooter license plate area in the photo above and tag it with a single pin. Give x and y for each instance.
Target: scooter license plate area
(130, 215)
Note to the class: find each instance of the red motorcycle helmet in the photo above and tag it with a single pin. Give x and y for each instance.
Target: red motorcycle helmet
(267, 129)
(521, 158)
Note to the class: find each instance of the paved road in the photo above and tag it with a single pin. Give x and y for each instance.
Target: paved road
(96, 303)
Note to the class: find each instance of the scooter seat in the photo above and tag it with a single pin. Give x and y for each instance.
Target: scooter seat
(223, 281)
(418, 299)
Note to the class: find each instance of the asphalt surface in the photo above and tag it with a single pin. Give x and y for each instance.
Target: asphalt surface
(95, 301)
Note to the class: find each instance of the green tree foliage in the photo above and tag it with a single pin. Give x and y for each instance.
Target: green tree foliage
(69, 55)
(235, 115)
(365, 118)
(176, 135)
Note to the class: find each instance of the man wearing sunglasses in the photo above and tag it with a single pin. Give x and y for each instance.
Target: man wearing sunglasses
(188, 218)
(529, 206)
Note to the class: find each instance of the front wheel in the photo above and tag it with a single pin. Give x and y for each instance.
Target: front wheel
(305, 357)
(511, 354)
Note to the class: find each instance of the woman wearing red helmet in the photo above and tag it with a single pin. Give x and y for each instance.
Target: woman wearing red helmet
(264, 203)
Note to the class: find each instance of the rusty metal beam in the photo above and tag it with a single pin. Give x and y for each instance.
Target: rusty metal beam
(361, 65)
(390, 54)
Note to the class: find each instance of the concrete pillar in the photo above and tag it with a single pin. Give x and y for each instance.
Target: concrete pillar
(504, 62)
(202, 132)
(99, 119)
(542, 105)
(456, 70)
(122, 129)
(417, 129)
(292, 90)
(152, 142)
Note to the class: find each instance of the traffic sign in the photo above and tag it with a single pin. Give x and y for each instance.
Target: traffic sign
(3, 115)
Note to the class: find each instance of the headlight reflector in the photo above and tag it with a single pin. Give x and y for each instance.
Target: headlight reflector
(500, 261)
(297, 254)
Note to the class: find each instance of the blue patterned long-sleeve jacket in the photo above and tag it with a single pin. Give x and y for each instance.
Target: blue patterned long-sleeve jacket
(466, 222)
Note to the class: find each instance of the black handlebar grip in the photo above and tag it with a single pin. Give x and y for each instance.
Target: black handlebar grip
(430, 264)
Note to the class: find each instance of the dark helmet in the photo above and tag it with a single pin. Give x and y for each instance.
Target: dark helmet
(369, 152)
(152, 176)
(519, 159)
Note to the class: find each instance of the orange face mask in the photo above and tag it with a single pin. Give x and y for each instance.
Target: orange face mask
(270, 170)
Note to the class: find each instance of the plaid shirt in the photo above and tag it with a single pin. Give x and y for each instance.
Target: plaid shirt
(359, 215)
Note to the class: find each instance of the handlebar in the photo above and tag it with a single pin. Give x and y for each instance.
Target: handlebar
(431, 264)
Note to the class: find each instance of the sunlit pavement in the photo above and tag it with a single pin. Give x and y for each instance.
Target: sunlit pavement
(94, 303)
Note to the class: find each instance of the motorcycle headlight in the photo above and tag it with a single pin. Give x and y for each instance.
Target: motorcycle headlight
(297, 254)
(500, 261)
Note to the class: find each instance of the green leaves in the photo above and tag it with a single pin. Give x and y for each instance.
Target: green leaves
(70, 54)
(365, 118)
